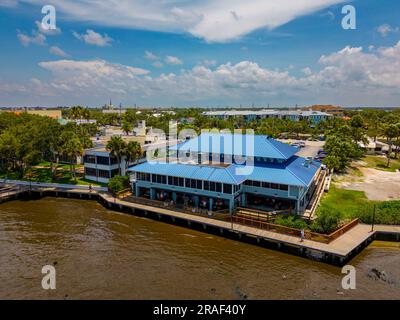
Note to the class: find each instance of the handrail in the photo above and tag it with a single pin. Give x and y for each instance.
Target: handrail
(324, 238)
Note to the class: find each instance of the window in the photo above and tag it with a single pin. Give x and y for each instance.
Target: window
(153, 178)
(199, 184)
(193, 183)
(218, 187)
(90, 172)
(187, 183)
(181, 182)
(89, 159)
(248, 183)
(274, 186)
(284, 187)
(103, 160)
(113, 160)
(103, 174)
(266, 185)
(143, 176)
(256, 184)
(227, 188)
(212, 186)
(170, 181)
(206, 185)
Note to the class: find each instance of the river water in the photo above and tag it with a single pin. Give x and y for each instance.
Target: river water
(102, 254)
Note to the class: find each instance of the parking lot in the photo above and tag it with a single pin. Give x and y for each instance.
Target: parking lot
(310, 150)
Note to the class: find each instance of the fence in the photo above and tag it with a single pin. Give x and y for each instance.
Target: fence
(324, 238)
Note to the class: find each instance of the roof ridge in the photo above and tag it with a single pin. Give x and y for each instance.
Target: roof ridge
(275, 147)
(298, 178)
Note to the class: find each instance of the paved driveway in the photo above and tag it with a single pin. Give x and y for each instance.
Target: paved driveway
(310, 150)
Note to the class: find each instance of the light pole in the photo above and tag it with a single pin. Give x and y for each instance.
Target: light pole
(373, 218)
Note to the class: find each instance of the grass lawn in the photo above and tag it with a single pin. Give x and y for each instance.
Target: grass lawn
(380, 163)
(354, 204)
(348, 202)
(42, 173)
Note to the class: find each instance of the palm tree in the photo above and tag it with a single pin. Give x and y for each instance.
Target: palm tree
(72, 148)
(133, 151)
(76, 112)
(117, 148)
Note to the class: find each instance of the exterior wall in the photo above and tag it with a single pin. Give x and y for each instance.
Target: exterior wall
(294, 193)
(97, 166)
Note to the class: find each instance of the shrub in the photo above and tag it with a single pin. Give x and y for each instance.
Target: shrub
(327, 221)
(118, 183)
(291, 221)
(387, 212)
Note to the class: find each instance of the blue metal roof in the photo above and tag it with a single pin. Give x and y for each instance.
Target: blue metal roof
(294, 172)
(238, 145)
(190, 171)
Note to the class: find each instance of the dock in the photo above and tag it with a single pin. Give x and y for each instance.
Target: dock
(338, 252)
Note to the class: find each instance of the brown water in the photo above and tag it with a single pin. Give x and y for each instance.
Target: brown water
(102, 254)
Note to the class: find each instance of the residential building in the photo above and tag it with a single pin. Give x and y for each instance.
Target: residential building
(208, 172)
(249, 115)
(100, 166)
(333, 110)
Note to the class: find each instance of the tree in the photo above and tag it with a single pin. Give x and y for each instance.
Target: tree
(391, 131)
(76, 112)
(133, 151)
(117, 147)
(71, 146)
(118, 183)
(127, 127)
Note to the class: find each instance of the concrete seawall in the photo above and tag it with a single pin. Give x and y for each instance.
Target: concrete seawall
(337, 253)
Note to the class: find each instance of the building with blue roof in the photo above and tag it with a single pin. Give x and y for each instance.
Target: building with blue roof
(219, 171)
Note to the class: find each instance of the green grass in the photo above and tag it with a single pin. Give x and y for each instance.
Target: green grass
(380, 163)
(39, 174)
(347, 202)
(354, 204)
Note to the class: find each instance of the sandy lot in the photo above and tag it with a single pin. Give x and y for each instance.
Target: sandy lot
(378, 185)
(310, 150)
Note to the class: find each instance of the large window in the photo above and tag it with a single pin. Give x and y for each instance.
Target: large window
(90, 172)
(266, 185)
(103, 174)
(142, 176)
(227, 188)
(103, 160)
(89, 159)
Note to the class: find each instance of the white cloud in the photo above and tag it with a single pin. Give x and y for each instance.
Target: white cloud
(54, 32)
(209, 63)
(173, 60)
(36, 38)
(351, 76)
(386, 29)
(150, 56)
(93, 38)
(214, 21)
(157, 64)
(8, 3)
(58, 52)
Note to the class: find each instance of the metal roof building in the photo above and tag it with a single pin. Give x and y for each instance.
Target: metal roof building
(272, 172)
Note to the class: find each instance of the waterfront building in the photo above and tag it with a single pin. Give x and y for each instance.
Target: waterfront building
(249, 115)
(209, 172)
(101, 166)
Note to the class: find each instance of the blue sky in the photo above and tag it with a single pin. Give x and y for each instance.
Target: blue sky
(200, 53)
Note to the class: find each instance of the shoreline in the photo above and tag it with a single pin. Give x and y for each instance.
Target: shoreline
(288, 244)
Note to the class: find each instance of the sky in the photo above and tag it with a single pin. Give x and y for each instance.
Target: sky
(192, 53)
